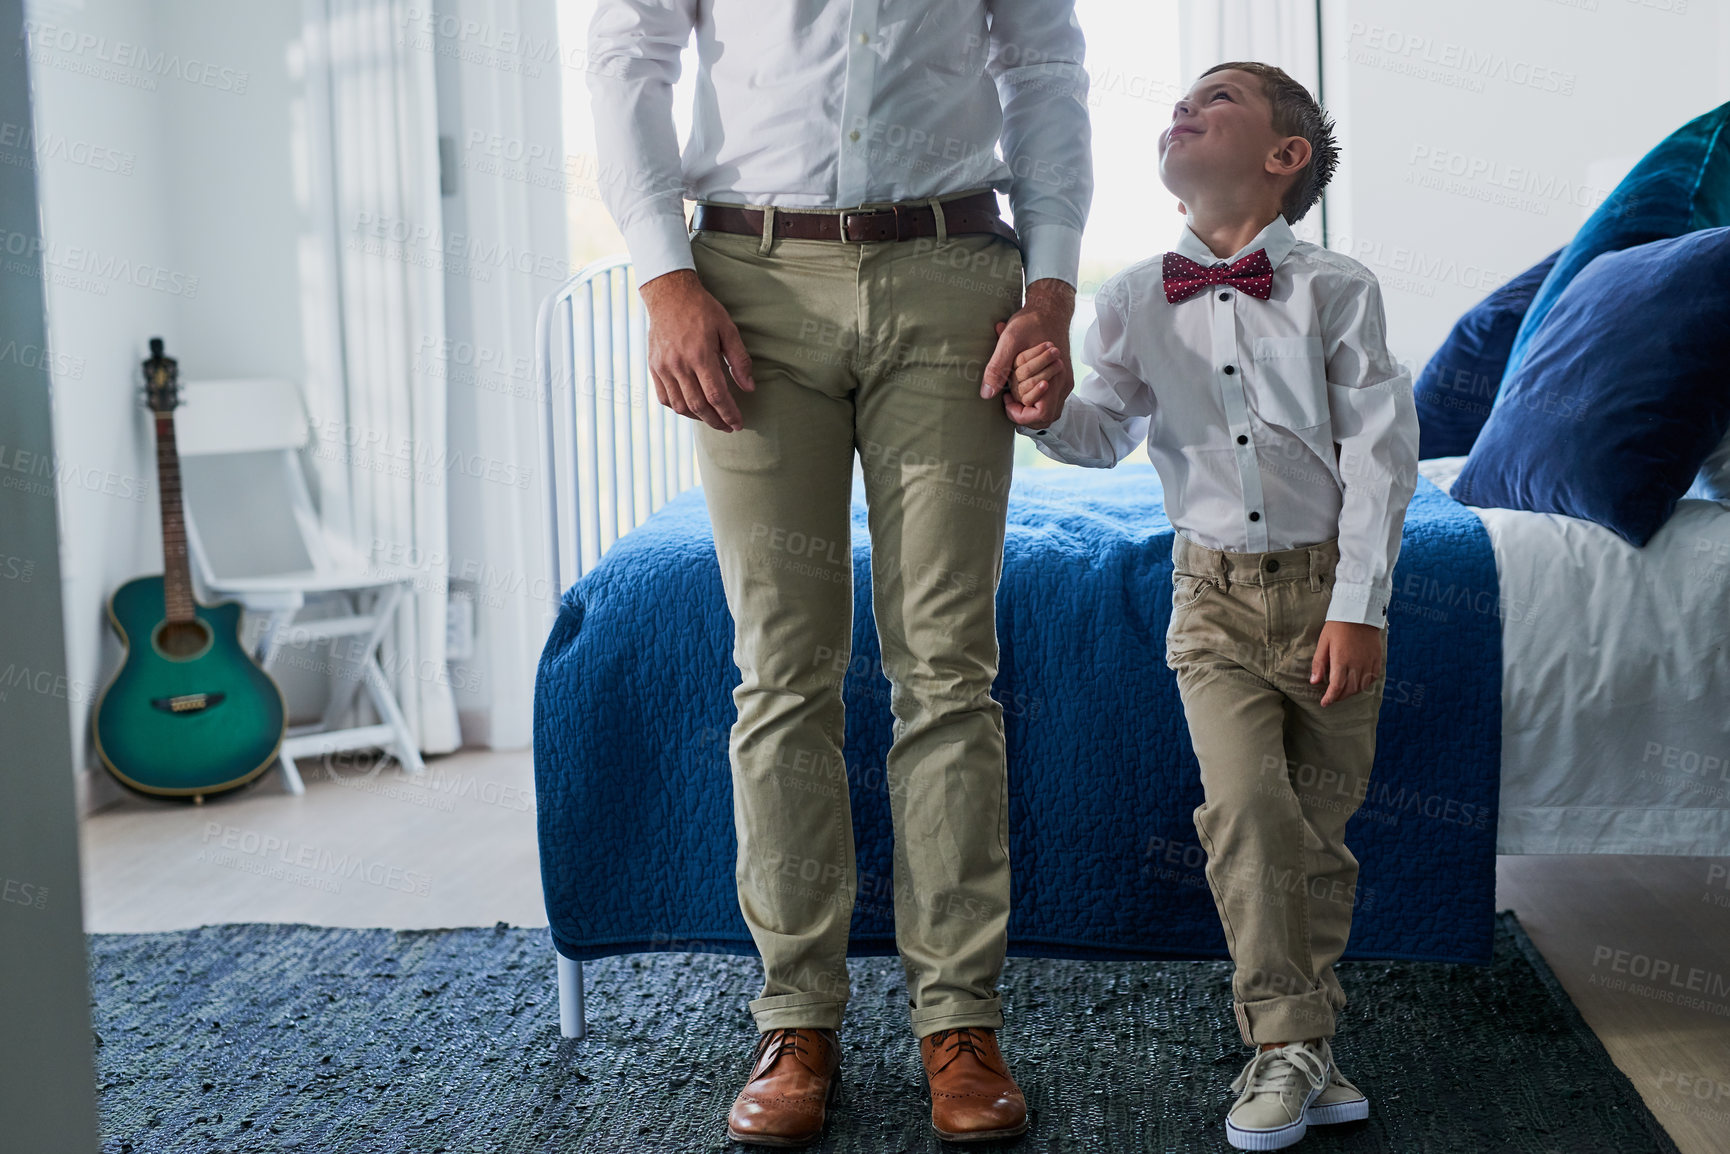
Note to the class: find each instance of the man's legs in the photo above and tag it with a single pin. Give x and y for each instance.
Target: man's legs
(779, 493)
(937, 461)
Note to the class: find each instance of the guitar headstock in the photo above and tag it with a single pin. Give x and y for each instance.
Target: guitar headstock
(161, 380)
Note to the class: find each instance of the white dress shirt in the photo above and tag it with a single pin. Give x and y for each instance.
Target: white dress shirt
(831, 104)
(1273, 423)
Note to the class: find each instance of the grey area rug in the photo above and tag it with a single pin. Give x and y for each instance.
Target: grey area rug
(278, 1037)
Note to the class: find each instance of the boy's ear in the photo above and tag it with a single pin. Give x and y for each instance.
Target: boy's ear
(1292, 154)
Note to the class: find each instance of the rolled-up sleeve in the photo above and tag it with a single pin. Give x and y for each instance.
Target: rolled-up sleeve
(634, 48)
(1036, 63)
(1110, 411)
(1375, 425)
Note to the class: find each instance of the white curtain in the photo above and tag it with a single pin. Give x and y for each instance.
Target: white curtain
(1284, 33)
(373, 172)
(499, 530)
(1278, 32)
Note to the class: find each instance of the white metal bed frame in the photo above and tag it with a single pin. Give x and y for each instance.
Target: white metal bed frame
(611, 454)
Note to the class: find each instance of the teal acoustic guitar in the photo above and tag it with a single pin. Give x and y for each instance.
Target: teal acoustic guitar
(190, 713)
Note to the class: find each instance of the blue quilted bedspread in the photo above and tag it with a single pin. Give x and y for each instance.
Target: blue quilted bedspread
(632, 705)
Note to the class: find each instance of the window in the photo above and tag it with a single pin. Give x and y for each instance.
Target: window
(1134, 78)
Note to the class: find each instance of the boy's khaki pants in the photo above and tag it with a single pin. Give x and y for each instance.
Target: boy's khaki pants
(879, 350)
(1280, 775)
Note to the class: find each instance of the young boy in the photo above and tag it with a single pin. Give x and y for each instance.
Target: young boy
(1284, 433)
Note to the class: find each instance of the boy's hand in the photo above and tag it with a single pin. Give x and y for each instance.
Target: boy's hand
(1034, 369)
(1348, 657)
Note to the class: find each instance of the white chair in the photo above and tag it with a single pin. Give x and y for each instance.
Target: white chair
(256, 539)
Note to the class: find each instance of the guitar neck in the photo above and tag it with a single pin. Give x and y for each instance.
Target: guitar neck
(176, 566)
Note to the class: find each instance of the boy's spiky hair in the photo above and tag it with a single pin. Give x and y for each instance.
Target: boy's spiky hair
(1295, 113)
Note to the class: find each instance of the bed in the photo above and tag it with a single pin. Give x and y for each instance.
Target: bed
(1550, 689)
(632, 707)
(1615, 681)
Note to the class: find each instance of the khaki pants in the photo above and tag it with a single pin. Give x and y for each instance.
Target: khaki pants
(1280, 775)
(878, 350)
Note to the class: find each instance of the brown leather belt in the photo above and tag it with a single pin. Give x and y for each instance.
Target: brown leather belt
(961, 216)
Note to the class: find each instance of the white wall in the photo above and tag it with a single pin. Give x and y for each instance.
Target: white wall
(163, 155)
(236, 208)
(1477, 135)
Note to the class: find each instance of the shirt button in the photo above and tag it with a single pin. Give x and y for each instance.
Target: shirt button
(1224, 296)
(1272, 565)
(1242, 440)
(1255, 516)
(854, 135)
(864, 39)
(1229, 370)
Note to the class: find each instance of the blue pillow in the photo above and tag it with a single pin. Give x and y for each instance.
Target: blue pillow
(1681, 186)
(1458, 387)
(1623, 394)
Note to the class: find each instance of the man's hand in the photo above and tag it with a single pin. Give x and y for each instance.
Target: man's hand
(693, 344)
(1043, 319)
(1348, 657)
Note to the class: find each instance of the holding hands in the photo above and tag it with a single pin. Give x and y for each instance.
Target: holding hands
(1031, 399)
(1038, 333)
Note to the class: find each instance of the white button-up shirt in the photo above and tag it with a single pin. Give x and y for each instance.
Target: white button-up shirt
(830, 104)
(1273, 423)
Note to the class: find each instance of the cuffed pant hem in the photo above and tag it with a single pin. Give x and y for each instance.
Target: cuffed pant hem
(797, 1012)
(1296, 1018)
(984, 1013)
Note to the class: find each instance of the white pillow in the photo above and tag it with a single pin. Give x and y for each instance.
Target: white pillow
(1713, 481)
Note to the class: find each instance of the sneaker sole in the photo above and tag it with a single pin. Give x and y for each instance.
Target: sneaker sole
(1271, 1139)
(1267, 1139)
(1339, 1112)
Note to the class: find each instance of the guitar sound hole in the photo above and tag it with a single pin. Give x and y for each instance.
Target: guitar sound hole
(178, 640)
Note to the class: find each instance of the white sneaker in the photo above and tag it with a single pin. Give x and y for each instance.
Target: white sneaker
(1339, 1101)
(1274, 1095)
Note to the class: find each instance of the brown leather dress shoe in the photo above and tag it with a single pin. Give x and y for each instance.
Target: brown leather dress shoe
(973, 1098)
(794, 1077)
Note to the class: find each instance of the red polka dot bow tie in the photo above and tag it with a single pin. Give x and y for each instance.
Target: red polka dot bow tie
(1184, 278)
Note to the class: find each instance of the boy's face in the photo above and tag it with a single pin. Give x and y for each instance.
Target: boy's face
(1221, 134)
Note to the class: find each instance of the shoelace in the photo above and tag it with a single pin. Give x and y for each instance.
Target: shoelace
(960, 1041)
(1270, 1070)
(785, 1042)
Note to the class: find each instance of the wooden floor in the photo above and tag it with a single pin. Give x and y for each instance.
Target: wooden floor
(1642, 944)
(364, 847)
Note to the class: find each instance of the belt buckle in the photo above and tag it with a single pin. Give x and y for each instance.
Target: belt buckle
(901, 222)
